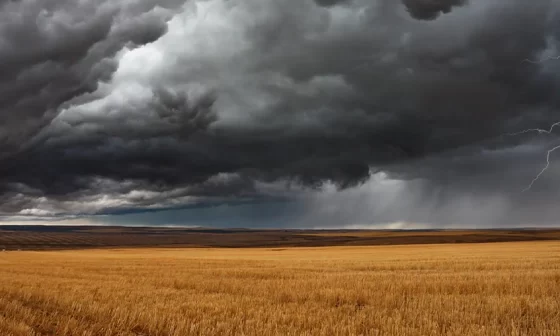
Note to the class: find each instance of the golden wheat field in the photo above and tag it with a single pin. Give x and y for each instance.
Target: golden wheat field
(466, 289)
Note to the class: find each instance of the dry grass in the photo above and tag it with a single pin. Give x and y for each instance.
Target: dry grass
(467, 289)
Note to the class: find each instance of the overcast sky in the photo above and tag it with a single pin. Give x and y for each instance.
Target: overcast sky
(267, 113)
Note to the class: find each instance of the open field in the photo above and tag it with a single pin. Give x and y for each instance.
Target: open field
(461, 289)
(80, 237)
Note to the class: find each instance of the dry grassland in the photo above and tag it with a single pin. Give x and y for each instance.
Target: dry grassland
(466, 289)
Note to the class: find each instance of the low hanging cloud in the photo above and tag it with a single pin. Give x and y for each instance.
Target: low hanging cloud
(431, 9)
(141, 104)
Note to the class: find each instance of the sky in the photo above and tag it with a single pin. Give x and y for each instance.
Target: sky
(291, 114)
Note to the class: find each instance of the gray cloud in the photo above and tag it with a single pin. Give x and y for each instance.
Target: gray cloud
(431, 9)
(137, 105)
(55, 50)
(329, 3)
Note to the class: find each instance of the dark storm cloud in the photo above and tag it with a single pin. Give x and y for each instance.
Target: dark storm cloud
(229, 95)
(52, 51)
(431, 9)
(329, 3)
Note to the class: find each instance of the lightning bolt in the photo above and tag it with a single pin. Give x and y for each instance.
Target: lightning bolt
(550, 151)
(541, 60)
(543, 170)
(538, 130)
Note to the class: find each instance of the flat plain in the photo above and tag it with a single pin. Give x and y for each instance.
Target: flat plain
(439, 289)
(45, 237)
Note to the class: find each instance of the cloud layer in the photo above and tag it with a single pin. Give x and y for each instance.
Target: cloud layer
(142, 104)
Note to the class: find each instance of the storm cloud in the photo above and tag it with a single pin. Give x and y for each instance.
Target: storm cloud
(141, 104)
(431, 9)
